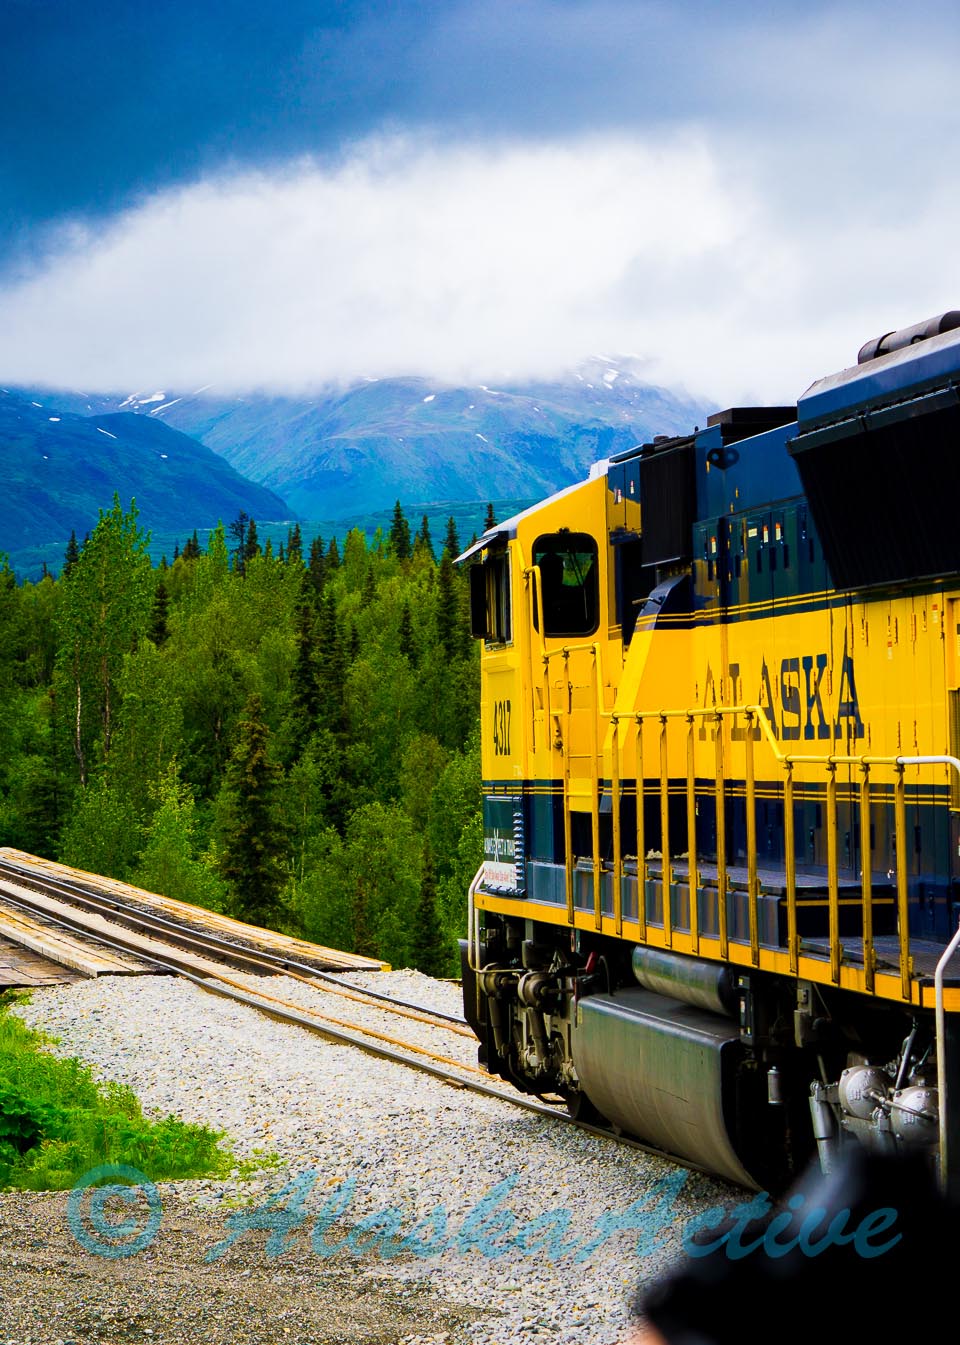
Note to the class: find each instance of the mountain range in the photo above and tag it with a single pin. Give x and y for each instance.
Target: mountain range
(333, 454)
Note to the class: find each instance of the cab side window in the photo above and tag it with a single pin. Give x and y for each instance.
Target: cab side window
(490, 599)
(569, 580)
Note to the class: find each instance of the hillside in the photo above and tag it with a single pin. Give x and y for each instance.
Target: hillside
(58, 469)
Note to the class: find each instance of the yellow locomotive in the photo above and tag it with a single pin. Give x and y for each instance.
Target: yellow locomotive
(721, 723)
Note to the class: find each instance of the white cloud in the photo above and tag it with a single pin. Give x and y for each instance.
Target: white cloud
(472, 263)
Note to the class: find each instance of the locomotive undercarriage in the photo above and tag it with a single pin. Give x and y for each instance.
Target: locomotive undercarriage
(745, 1075)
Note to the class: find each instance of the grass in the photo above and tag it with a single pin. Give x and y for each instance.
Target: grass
(57, 1122)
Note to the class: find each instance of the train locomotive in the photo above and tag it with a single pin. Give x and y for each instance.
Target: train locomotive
(721, 780)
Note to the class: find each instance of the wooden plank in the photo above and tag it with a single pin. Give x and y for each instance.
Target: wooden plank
(58, 946)
(133, 942)
(298, 949)
(21, 969)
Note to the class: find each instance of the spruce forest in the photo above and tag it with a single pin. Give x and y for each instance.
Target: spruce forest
(291, 738)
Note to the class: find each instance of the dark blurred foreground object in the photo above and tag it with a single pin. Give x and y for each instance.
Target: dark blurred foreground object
(871, 1244)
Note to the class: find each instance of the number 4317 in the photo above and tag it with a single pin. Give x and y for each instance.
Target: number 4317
(501, 728)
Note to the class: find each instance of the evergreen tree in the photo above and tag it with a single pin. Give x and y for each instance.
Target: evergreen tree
(33, 809)
(430, 953)
(490, 519)
(333, 556)
(425, 540)
(251, 840)
(71, 555)
(157, 630)
(252, 546)
(407, 648)
(399, 537)
(176, 552)
(330, 666)
(364, 940)
(452, 539)
(305, 693)
(369, 590)
(217, 554)
(451, 628)
(295, 545)
(317, 566)
(238, 531)
(191, 550)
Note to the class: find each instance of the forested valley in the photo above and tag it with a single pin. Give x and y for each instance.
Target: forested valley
(291, 738)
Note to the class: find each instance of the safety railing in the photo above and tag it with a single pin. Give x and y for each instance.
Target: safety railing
(624, 727)
(629, 730)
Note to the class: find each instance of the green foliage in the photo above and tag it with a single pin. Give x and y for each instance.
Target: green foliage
(430, 953)
(316, 567)
(295, 546)
(71, 555)
(399, 538)
(453, 633)
(158, 617)
(424, 541)
(251, 839)
(57, 1122)
(103, 833)
(191, 550)
(369, 885)
(276, 738)
(304, 688)
(170, 863)
(106, 605)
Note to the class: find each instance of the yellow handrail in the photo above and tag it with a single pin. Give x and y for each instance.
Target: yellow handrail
(757, 719)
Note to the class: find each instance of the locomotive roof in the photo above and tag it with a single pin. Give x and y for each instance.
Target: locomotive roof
(924, 367)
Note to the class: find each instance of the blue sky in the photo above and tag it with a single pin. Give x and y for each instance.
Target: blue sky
(278, 196)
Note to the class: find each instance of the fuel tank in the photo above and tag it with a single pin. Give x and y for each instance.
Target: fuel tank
(665, 1072)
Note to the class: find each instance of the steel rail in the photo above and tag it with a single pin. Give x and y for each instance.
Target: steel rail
(190, 934)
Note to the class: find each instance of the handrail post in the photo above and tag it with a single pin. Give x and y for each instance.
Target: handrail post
(833, 875)
(720, 808)
(595, 791)
(943, 1073)
(567, 821)
(693, 876)
(641, 835)
(903, 910)
(530, 577)
(666, 868)
(752, 884)
(866, 872)
(790, 862)
(617, 840)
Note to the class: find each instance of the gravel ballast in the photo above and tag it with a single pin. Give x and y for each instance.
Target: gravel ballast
(448, 1166)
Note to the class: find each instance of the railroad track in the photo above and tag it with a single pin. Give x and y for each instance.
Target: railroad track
(176, 947)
